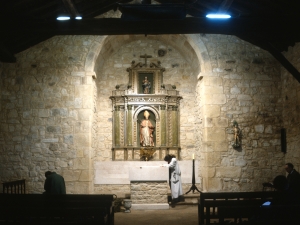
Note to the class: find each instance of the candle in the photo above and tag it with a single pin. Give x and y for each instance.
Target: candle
(193, 156)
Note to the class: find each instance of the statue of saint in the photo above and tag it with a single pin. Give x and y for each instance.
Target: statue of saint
(146, 131)
(236, 131)
(146, 84)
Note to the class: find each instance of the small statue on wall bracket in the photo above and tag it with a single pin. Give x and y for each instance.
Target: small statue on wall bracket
(237, 135)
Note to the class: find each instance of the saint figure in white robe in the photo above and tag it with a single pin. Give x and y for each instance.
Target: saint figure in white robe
(175, 177)
(146, 131)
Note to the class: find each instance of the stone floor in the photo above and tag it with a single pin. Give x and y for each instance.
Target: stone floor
(179, 215)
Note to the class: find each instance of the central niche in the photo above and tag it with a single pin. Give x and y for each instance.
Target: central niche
(145, 83)
(145, 114)
(146, 136)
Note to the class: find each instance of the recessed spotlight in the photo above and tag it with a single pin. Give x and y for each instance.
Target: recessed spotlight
(63, 18)
(218, 16)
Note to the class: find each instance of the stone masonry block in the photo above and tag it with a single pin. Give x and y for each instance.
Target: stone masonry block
(214, 134)
(214, 89)
(228, 172)
(215, 99)
(82, 140)
(81, 163)
(43, 113)
(85, 175)
(213, 81)
(84, 114)
(207, 172)
(211, 111)
(214, 184)
(84, 90)
(71, 175)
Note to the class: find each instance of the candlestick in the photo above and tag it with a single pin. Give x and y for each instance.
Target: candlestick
(193, 156)
(193, 179)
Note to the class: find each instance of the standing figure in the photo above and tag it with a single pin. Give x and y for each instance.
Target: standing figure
(175, 177)
(54, 183)
(293, 179)
(146, 131)
(146, 84)
(236, 131)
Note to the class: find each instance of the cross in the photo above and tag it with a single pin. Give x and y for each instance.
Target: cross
(146, 56)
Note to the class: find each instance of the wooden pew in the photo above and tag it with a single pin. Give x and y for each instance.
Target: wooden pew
(57, 209)
(211, 204)
(14, 187)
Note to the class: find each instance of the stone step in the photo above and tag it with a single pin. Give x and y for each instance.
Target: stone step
(187, 199)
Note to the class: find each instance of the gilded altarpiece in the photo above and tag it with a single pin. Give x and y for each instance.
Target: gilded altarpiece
(145, 100)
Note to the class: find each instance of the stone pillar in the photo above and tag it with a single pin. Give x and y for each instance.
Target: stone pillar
(129, 125)
(163, 125)
(214, 142)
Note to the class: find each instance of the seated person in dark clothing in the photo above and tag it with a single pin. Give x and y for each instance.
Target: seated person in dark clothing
(279, 212)
(54, 183)
(285, 196)
(293, 179)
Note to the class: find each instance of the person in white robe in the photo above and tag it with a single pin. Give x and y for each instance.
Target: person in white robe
(175, 177)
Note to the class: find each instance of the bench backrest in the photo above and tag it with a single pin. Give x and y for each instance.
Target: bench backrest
(70, 206)
(14, 187)
(211, 201)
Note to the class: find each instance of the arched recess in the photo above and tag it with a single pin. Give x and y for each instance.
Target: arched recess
(106, 45)
(201, 51)
(191, 47)
(94, 53)
(142, 108)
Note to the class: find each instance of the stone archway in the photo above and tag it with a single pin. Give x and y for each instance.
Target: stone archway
(190, 47)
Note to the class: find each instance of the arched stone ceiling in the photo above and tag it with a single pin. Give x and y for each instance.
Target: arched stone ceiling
(187, 46)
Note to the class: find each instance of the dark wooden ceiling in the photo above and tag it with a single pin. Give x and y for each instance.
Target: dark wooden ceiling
(271, 25)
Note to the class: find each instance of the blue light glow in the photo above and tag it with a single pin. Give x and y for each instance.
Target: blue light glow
(63, 18)
(218, 16)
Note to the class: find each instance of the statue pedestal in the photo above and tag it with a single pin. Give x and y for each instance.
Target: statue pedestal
(149, 187)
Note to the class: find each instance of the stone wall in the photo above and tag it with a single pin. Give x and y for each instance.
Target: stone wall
(244, 85)
(149, 192)
(46, 114)
(55, 116)
(291, 106)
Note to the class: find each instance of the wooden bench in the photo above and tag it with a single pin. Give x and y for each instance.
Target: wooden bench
(56, 209)
(14, 187)
(216, 205)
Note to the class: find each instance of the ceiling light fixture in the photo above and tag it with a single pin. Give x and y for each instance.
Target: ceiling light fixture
(218, 16)
(63, 18)
(78, 18)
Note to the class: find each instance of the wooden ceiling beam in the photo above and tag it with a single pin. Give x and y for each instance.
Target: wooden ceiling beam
(266, 45)
(110, 26)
